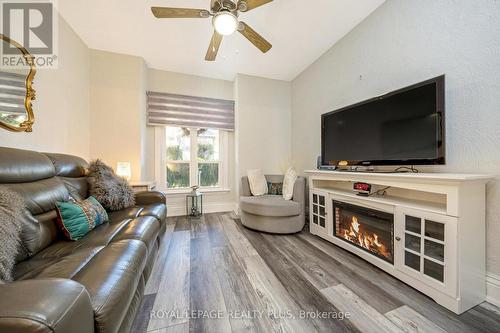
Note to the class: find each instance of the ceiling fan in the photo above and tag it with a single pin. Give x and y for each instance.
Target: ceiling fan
(225, 21)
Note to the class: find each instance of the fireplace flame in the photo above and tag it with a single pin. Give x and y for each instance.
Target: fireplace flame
(371, 242)
(355, 224)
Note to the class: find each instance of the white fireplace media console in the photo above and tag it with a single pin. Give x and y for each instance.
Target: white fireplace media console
(439, 228)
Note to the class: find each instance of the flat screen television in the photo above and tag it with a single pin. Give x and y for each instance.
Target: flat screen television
(404, 127)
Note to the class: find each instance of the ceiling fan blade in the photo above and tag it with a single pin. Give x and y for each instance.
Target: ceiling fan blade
(254, 37)
(246, 5)
(167, 12)
(213, 48)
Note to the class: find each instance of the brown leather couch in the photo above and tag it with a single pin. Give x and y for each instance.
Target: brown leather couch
(92, 285)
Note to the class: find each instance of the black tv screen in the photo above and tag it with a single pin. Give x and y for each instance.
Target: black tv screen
(405, 127)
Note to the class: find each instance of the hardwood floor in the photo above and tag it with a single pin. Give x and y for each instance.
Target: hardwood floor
(214, 275)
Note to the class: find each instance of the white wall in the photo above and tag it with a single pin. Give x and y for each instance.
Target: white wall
(118, 109)
(404, 42)
(62, 122)
(263, 125)
(184, 84)
(176, 83)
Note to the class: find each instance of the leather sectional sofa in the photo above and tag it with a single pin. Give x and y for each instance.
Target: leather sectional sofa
(92, 285)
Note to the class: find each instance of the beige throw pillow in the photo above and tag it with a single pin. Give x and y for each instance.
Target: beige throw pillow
(257, 181)
(288, 183)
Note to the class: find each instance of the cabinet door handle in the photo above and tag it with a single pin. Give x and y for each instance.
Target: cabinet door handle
(398, 238)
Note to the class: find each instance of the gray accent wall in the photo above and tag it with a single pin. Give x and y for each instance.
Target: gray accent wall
(405, 42)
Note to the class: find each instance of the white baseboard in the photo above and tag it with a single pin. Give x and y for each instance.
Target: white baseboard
(207, 208)
(493, 289)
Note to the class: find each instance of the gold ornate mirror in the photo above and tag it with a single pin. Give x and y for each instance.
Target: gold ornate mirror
(17, 70)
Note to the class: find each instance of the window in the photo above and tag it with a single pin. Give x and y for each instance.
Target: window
(178, 157)
(208, 157)
(194, 156)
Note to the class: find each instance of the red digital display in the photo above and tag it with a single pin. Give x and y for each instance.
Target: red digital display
(363, 187)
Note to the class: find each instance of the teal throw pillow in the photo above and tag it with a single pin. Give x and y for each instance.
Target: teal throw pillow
(77, 218)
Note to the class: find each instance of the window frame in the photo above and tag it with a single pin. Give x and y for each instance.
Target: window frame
(161, 161)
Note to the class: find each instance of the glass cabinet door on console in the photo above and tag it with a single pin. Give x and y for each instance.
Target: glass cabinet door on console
(319, 213)
(426, 245)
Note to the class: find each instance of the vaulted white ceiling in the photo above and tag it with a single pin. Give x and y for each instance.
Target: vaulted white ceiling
(300, 31)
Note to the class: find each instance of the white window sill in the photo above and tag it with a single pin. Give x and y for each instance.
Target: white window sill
(185, 191)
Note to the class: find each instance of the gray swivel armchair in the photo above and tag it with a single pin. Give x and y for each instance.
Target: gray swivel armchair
(272, 213)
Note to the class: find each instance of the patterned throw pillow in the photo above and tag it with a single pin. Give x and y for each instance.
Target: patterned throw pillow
(275, 188)
(78, 218)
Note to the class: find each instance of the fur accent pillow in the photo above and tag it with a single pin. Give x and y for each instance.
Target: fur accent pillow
(112, 191)
(12, 207)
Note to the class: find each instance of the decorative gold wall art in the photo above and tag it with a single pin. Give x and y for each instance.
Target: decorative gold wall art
(17, 72)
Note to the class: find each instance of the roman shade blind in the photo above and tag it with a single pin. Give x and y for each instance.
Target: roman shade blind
(190, 111)
(12, 94)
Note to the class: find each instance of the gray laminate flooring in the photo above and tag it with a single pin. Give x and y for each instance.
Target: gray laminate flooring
(213, 275)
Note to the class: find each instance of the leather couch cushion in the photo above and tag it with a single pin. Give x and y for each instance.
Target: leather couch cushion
(72, 170)
(24, 166)
(100, 236)
(269, 205)
(41, 196)
(158, 211)
(47, 263)
(37, 233)
(45, 306)
(68, 165)
(77, 187)
(144, 228)
(111, 278)
(127, 213)
(63, 267)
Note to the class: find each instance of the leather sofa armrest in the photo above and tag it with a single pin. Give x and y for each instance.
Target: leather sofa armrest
(149, 197)
(299, 192)
(48, 305)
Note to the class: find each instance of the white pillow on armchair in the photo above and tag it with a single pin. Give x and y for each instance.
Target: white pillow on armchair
(257, 182)
(288, 183)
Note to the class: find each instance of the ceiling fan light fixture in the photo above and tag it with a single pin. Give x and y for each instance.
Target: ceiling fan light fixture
(225, 23)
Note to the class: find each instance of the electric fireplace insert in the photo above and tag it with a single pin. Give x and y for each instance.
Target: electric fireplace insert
(368, 229)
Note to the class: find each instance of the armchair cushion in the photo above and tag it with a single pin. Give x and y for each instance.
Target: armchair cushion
(270, 205)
